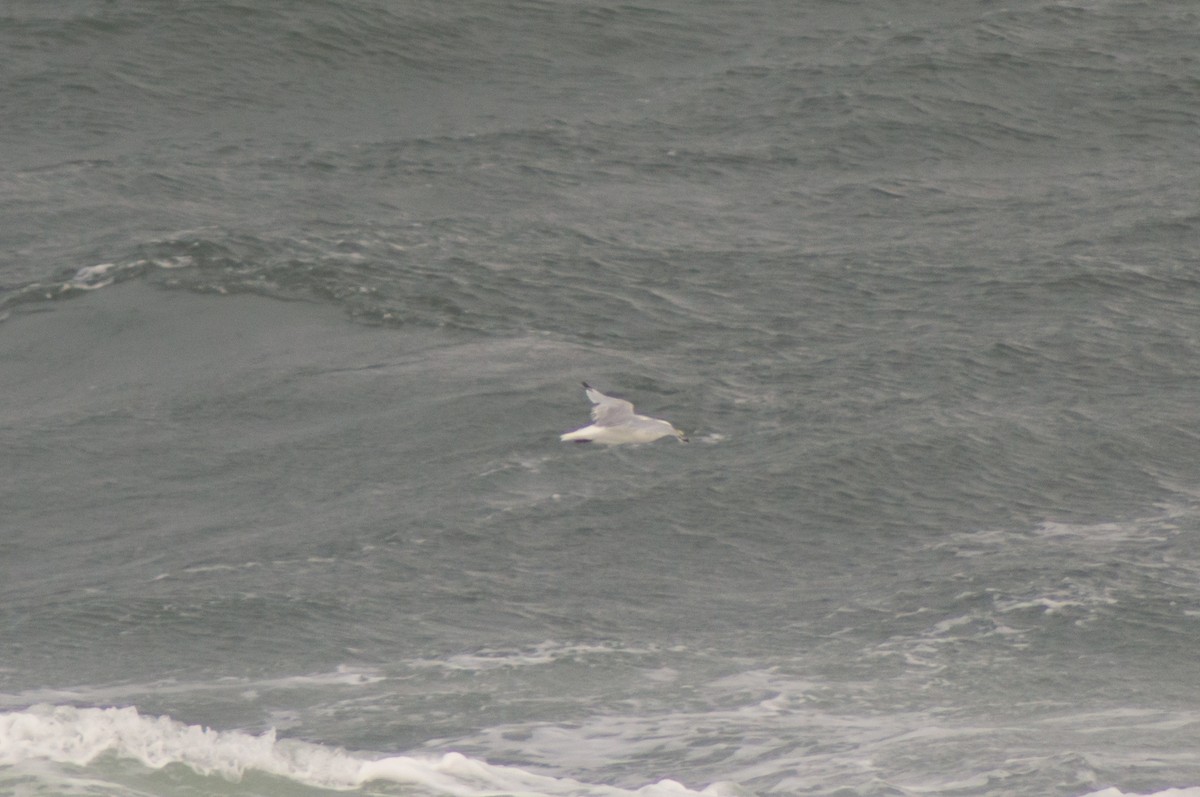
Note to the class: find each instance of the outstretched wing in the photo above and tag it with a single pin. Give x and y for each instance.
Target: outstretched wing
(606, 410)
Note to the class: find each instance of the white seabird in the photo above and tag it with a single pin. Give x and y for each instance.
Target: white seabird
(614, 423)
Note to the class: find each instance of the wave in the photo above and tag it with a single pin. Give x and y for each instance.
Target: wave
(81, 736)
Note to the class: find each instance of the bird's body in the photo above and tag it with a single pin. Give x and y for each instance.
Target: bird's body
(615, 423)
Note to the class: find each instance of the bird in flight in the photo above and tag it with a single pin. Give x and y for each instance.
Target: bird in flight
(614, 423)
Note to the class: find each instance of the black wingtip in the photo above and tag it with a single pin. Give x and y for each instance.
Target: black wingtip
(586, 386)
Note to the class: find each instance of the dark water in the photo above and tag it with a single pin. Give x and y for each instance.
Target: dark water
(297, 301)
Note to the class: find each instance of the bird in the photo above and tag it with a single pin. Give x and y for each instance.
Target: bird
(614, 423)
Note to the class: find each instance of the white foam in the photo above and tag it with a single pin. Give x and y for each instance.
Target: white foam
(547, 652)
(79, 736)
(342, 676)
(89, 278)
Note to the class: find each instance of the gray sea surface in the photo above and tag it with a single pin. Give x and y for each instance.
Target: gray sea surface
(297, 299)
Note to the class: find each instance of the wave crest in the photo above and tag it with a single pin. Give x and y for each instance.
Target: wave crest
(80, 736)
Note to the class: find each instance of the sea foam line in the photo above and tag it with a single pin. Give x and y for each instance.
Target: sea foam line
(72, 735)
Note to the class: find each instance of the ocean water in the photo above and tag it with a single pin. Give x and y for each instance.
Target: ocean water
(297, 299)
